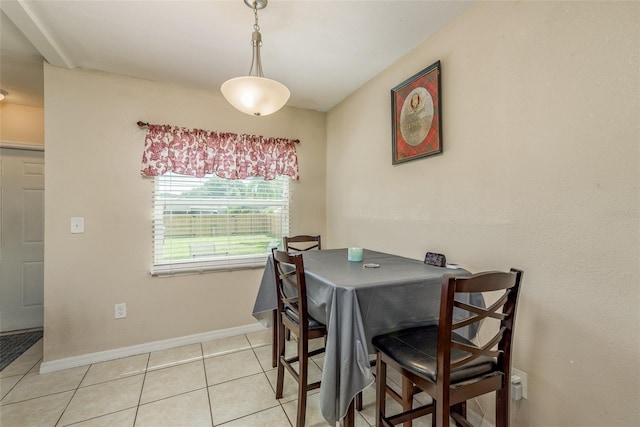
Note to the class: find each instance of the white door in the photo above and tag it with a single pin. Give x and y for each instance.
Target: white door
(21, 239)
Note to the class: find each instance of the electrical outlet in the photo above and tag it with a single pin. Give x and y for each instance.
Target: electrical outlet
(523, 380)
(77, 225)
(121, 310)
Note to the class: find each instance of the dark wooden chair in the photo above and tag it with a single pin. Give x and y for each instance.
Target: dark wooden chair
(293, 316)
(299, 243)
(450, 368)
(302, 243)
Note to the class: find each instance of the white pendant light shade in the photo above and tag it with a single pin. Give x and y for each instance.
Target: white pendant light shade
(256, 96)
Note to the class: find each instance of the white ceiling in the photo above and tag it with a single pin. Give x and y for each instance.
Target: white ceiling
(321, 50)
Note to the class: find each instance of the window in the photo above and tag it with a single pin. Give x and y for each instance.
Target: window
(215, 223)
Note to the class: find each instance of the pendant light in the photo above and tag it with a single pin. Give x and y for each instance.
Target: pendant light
(254, 94)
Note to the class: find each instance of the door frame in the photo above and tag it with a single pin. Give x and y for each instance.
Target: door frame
(26, 146)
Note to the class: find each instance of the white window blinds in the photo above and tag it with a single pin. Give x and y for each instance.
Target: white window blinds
(214, 223)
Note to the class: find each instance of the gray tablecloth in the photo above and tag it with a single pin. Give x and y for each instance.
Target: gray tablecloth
(357, 304)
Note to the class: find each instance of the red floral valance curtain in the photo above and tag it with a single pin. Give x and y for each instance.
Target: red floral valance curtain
(199, 152)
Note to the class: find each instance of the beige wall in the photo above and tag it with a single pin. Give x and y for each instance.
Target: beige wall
(540, 171)
(93, 158)
(21, 123)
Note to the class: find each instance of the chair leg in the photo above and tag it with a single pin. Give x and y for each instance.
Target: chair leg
(274, 339)
(359, 402)
(303, 364)
(381, 390)
(442, 412)
(281, 350)
(502, 407)
(407, 398)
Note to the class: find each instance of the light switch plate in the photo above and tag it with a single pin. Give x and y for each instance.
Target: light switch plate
(77, 225)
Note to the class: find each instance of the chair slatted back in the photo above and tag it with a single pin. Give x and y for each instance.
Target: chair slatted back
(302, 243)
(290, 284)
(503, 310)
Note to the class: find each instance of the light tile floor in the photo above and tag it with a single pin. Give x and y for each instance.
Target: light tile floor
(226, 382)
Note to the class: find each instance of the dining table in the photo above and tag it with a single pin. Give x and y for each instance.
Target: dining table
(357, 301)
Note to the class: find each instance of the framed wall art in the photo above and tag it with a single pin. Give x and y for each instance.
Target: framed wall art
(416, 118)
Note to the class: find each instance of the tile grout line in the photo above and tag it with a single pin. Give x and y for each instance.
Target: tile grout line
(252, 348)
(270, 385)
(97, 416)
(73, 395)
(22, 376)
(85, 376)
(16, 384)
(35, 398)
(91, 385)
(98, 384)
(206, 384)
(146, 369)
(264, 372)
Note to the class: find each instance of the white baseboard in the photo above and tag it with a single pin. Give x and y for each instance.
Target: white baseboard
(117, 353)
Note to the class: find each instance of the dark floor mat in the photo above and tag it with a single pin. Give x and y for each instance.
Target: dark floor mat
(12, 346)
